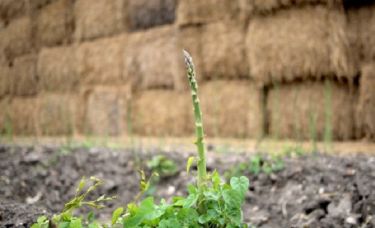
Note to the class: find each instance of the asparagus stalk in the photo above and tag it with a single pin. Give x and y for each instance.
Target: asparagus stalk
(201, 163)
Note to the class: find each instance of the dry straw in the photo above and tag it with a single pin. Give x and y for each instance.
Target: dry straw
(57, 69)
(366, 106)
(149, 118)
(232, 108)
(267, 6)
(361, 31)
(299, 43)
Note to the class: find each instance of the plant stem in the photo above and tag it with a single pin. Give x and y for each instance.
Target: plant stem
(201, 163)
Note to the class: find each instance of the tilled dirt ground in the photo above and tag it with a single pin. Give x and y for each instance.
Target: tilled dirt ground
(312, 191)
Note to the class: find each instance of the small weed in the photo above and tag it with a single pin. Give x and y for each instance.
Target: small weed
(162, 165)
(66, 218)
(257, 164)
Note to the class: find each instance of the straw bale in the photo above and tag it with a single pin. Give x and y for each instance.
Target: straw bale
(231, 109)
(199, 12)
(21, 114)
(56, 114)
(16, 38)
(23, 77)
(54, 23)
(143, 14)
(101, 61)
(361, 32)
(293, 108)
(267, 6)
(4, 79)
(299, 43)
(98, 18)
(37, 4)
(4, 109)
(223, 51)
(106, 111)
(162, 113)
(366, 105)
(57, 69)
(10, 9)
(152, 59)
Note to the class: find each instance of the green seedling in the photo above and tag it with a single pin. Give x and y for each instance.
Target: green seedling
(257, 164)
(210, 202)
(66, 218)
(162, 165)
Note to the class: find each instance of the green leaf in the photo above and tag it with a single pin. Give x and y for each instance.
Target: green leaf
(240, 184)
(116, 214)
(216, 180)
(94, 224)
(189, 163)
(188, 217)
(76, 223)
(232, 199)
(145, 208)
(169, 223)
(191, 200)
(63, 225)
(91, 216)
(42, 219)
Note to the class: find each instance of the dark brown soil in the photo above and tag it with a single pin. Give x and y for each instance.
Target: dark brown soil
(312, 191)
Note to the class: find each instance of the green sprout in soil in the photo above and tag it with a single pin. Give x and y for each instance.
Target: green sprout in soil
(257, 164)
(162, 165)
(210, 202)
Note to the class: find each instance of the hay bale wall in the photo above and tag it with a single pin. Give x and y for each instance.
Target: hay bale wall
(23, 79)
(100, 61)
(300, 43)
(58, 69)
(16, 38)
(115, 67)
(144, 14)
(21, 116)
(366, 105)
(106, 111)
(232, 109)
(361, 32)
(54, 23)
(162, 113)
(152, 59)
(98, 18)
(57, 114)
(296, 109)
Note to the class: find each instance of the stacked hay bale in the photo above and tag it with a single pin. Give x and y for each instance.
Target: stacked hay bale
(361, 19)
(214, 32)
(104, 90)
(292, 49)
(152, 62)
(17, 69)
(291, 68)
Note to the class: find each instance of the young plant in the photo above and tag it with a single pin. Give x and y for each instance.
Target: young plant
(67, 219)
(162, 165)
(201, 163)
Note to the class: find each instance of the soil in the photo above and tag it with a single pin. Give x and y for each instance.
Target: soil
(312, 191)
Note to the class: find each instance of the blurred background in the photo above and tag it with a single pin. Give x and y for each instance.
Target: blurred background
(283, 69)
